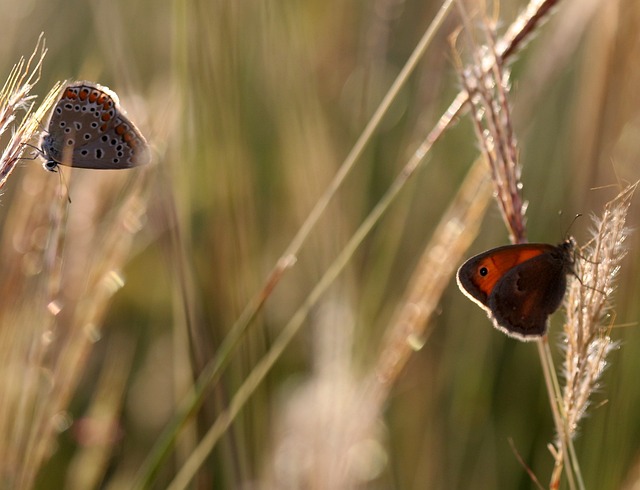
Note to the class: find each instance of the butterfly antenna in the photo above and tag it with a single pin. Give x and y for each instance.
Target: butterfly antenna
(575, 218)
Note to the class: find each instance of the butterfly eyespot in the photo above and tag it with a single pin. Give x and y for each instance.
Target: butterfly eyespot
(58, 110)
(70, 142)
(62, 124)
(483, 271)
(116, 160)
(99, 153)
(84, 153)
(67, 130)
(94, 124)
(78, 125)
(104, 138)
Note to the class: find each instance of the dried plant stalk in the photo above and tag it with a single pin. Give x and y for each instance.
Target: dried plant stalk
(486, 81)
(15, 97)
(586, 335)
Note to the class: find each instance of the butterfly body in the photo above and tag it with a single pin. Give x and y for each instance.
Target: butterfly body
(518, 285)
(88, 129)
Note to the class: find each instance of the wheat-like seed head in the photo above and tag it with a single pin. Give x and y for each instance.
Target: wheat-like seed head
(589, 300)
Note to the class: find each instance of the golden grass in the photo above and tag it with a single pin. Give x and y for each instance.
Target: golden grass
(183, 322)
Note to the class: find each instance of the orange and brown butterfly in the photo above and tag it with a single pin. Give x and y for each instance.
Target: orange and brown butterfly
(519, 285)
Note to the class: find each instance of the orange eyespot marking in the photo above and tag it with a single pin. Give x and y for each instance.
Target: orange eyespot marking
(69, 94)
(84, 93)
(106, 116)
(121, 129)
(103, 128)
(93, 96)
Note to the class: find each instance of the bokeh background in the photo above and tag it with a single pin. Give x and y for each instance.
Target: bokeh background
(250, 108)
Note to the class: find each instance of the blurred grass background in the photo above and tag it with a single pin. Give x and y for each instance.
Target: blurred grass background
(250, 108)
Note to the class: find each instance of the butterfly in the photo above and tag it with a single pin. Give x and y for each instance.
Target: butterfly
(519, 286)
(89, 129)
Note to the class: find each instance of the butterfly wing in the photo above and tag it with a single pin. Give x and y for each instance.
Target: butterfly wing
(120, 146)
(518, 285)
(478, 276)
(88, 124)
(521, 302)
